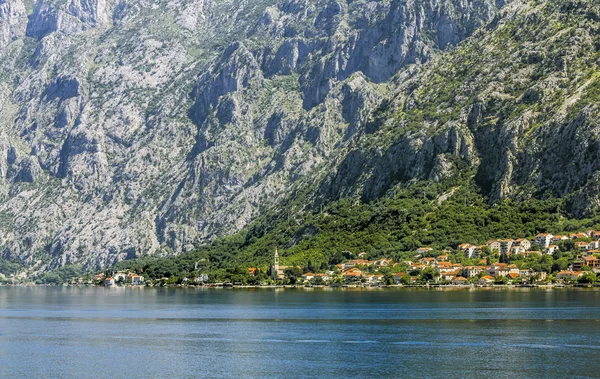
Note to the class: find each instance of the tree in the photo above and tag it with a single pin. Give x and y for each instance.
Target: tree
(427, 274)
(293, 274)
(309, 267)
(588, 277)
(560, 264)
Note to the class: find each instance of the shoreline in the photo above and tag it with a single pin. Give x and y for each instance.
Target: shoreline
(324, 287)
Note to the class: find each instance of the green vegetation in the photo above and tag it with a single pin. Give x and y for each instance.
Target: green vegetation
(8, 267)
(61, 275)
(392, 227)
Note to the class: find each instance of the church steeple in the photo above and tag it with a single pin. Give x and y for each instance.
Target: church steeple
(275, 270)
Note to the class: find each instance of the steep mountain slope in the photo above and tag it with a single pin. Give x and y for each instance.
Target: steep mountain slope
(516, 104)
(132, 127)
(94, 114)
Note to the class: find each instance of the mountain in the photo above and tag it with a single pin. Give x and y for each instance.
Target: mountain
(146, 128)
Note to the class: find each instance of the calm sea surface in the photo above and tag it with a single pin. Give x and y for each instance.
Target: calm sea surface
(124, 332)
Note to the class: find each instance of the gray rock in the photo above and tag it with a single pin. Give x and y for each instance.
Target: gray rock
(13, 18)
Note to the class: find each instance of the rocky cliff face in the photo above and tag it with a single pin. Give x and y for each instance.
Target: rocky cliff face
(68, 17)
(134, 127)
(13, 18)
(516, 104)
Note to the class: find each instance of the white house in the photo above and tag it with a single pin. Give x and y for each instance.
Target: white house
(493, 245)
(517, 250)
(543, 239)
(468, 249)
(522, 242)
(505, 245)
(558, 238)
(475, 270)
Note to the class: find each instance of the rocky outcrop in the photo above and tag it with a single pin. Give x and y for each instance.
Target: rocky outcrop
(521, 126)
(68, 17)
(13, 18)
(376, 39)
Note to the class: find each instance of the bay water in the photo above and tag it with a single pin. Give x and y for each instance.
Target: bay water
(71, 332)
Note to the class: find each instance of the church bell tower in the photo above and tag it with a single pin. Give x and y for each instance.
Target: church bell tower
(275, 270)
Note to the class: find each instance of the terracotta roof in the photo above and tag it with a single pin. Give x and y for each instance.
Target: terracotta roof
(358, 261)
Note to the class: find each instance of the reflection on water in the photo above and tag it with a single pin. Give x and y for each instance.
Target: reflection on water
(88, 332)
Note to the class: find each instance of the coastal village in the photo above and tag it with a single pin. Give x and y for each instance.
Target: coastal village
(429, 267)
(508, 261)
(544, 259)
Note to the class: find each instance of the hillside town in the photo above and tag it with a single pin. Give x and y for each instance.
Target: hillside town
(543, 259)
